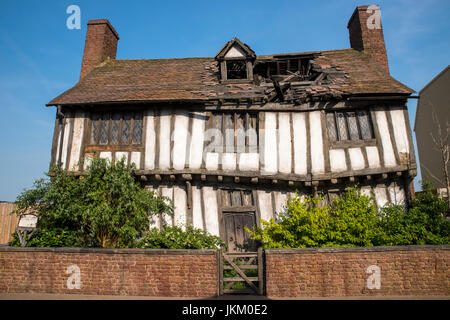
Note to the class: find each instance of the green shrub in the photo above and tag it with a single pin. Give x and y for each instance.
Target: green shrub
(348, 221)
(106, 207)
(423, 223)
(353, 220)
(176, 238)
(49, 238)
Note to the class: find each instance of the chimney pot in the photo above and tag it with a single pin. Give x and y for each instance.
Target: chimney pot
(101, 43)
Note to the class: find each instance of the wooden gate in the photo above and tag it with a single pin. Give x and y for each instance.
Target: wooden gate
(241, 272)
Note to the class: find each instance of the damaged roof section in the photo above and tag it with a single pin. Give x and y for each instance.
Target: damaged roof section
(290, 78)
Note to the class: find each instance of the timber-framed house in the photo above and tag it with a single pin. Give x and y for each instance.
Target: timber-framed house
(229, 138)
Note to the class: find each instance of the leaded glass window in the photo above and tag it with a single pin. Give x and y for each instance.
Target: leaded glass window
(116, 128)
(239, 131)
(349, 125)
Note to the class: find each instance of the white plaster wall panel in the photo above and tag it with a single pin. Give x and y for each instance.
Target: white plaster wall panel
(400, 132)
(167, 192)
(180, 133)
(280, 201)
(87, 160)
(356, 158)
(121, 154)
(228, 161)
(77, 140)
(284, 140)
(381, 196)
(196, 147)
(317, 157)
(179, 201)
(211, 210)
(396, 193)
(212, 161)
(265, 204)
(136, 159)
(270, 140)
(373, 157)
(300, 145)
(197, 216)
(150, 140)
(337, 160)
(153, 221)
(235, 52)
(65, 143)
(106, 155)
(389, 157)
(366, 191)
(164, 140)
(248, 161)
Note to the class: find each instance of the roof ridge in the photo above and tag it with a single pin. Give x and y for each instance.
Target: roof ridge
(159, 59)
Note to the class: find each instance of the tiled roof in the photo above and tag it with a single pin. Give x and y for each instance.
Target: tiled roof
(197, 79)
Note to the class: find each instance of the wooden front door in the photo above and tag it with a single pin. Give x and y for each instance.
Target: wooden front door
(237, 238)
(238, 212)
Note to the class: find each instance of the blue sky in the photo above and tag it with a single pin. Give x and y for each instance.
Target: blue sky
(40, 58)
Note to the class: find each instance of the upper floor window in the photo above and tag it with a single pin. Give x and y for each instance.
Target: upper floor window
(236, 69)
(116, 128)
(349, 125)
(236, 61)
(236, 131)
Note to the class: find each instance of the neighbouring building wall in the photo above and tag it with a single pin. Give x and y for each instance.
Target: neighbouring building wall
(346, 272)
(433, 98)
(125, 272)
(8, 221)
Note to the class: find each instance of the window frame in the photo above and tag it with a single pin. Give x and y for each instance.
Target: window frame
(224, 70)
(247, 147)
(361, 141)
(90, 147)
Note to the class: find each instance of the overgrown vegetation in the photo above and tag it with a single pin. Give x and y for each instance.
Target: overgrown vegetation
(176, 238)
(353, 220)
(106, 207)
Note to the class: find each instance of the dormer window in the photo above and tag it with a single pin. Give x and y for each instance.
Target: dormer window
(236, 69)
(236, 62)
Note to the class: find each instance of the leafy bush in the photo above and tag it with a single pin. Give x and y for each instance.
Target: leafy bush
(353, 220)
(175, 238)
(49, 238)
(106, 207)
(423, 223)
(348, 221)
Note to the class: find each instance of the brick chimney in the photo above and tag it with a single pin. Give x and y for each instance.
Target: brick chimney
(101, 43)
(366, 34)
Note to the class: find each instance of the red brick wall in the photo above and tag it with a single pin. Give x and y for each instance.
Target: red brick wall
(327, 272)
(136, 272)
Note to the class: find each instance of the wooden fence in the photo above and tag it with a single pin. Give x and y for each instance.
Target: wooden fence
(8, 222)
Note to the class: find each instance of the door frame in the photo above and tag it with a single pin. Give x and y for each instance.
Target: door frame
(225, 209)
